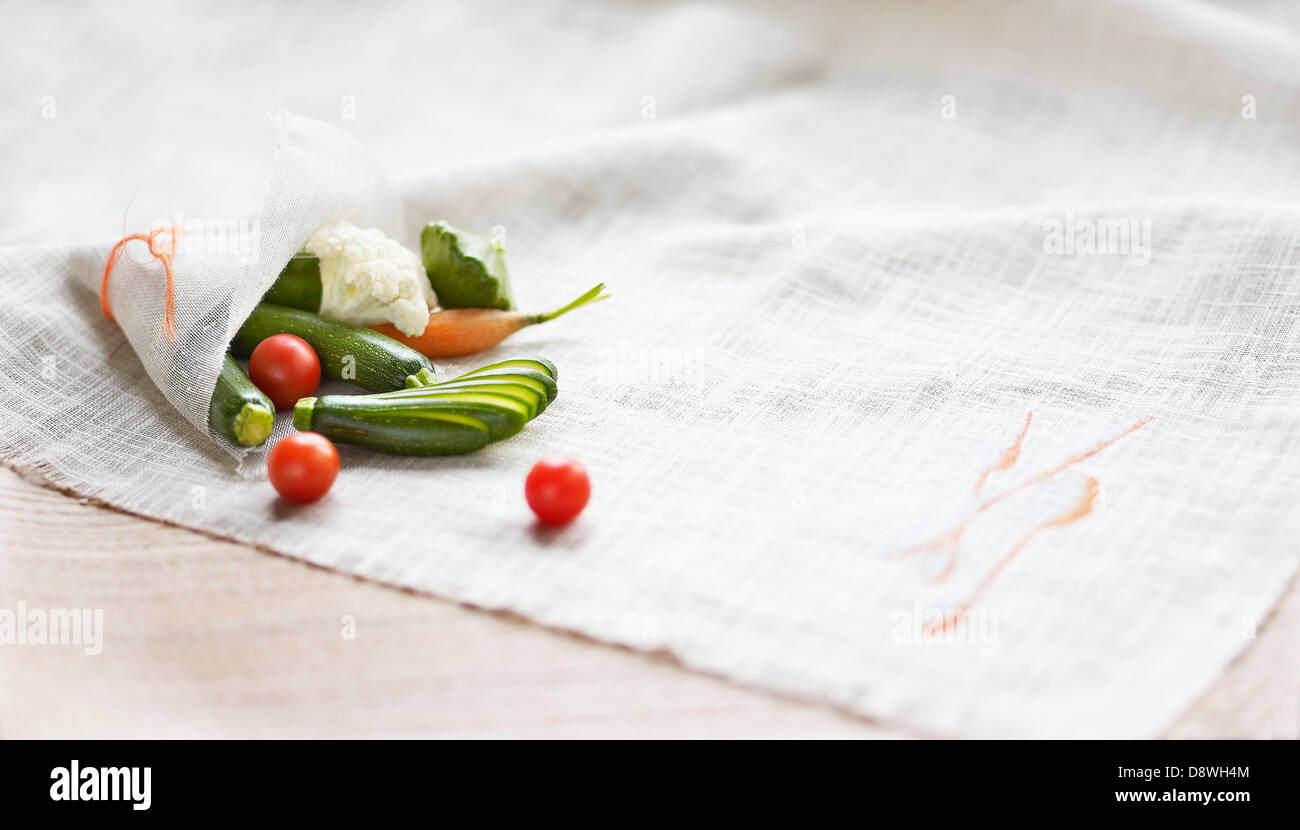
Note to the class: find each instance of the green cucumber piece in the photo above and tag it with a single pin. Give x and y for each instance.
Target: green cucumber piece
(378, 363)
(465, 270)
(240, 412)
(298, 285)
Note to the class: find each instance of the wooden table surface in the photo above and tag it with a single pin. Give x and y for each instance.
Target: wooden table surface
(208, 638)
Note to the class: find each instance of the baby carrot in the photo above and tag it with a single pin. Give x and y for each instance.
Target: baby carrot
(461, 331)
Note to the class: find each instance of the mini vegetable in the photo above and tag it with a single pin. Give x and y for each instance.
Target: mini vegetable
(458, 332)
(367, 278)
(240, 412)
(285, 368)
(465, 270)
(298, 285)
(359, 276)
(347, 352)
(303, 467)
(456, 416)
(557, 488)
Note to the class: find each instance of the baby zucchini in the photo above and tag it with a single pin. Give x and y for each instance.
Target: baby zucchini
(239, 411)
(347, 352)
(298, 285)
(458, 416)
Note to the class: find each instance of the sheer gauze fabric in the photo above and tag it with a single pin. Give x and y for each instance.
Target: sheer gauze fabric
(850, 251)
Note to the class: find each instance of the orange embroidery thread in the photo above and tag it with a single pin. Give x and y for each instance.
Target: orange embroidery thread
(1091, 490)
(1009, 457)
(162, 255)
(951, 540)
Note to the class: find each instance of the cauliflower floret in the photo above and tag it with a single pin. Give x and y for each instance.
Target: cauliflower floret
(367, 278)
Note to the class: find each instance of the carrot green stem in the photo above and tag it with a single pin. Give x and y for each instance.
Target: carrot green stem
(592, 296)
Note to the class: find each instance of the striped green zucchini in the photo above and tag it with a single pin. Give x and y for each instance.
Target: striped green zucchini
(456, 416)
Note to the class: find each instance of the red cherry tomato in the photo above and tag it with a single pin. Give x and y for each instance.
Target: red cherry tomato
(303, 466)
(557, 489)
(286, 368)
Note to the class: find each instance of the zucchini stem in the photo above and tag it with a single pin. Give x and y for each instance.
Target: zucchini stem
(426, 377)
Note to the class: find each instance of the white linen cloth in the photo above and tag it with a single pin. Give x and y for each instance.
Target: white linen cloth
(848, 249)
